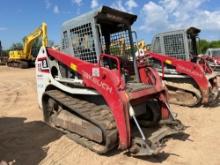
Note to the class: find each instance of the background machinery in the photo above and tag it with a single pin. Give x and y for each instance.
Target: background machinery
(180, 44)
(189, 78)
(3, 57)
(212, 55)
(183, 44)
(0, 48)
(0, 52)
(23, 58)
(94, 96)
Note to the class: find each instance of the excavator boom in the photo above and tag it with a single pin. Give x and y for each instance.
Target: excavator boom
(23, 58)
(29, 39)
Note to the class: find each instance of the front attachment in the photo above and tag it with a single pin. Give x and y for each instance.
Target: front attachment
(155, 142)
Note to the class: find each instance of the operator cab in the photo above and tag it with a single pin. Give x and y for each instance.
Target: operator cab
(114, 29)
(181, 44)
(104, 31)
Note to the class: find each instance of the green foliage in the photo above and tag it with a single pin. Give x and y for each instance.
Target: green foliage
(36, 47)
(16, 46)
(215, 44)
(37, 44)
(5, 52)
(203, 45)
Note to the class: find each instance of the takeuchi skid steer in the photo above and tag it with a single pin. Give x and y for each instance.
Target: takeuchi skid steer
(188, 83)
(94, 97)
(189, 77)
(212, 55)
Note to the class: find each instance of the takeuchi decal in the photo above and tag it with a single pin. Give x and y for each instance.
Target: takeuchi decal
(98, 82)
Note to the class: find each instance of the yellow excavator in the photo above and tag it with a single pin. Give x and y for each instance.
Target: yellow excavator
(23, 58)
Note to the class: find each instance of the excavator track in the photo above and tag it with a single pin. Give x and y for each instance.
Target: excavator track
(99, 117)
(183, 94)
(18, 64)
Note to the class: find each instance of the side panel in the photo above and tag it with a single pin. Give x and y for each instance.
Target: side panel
(42, 74)
(44, 78)
(106, 82)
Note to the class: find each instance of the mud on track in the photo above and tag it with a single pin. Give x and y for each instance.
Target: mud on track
(26, 140)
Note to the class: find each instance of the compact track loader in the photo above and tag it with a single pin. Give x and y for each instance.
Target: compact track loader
(188, 83)
(96, 92)
(190, 79)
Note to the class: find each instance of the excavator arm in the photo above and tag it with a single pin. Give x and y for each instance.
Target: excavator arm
(29, 39)
(23, 58)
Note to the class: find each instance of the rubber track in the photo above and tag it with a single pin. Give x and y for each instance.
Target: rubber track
(99, 115)
(188, 88)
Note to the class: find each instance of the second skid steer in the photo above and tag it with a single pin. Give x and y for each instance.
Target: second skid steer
(190, 78)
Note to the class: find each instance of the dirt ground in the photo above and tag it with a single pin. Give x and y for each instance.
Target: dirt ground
(26, 140)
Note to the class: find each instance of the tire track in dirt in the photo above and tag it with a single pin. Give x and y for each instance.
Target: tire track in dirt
(17, 89)
(24, 138)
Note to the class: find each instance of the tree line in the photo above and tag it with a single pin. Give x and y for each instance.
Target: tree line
(203, 45)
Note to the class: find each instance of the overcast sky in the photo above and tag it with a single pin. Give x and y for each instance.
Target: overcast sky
(18, 18)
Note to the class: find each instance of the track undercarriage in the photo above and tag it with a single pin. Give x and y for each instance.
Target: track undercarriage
(183, 94)
(93, 126)
(19, 64)
(86, 123)
(186, 93)
(189, 84)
